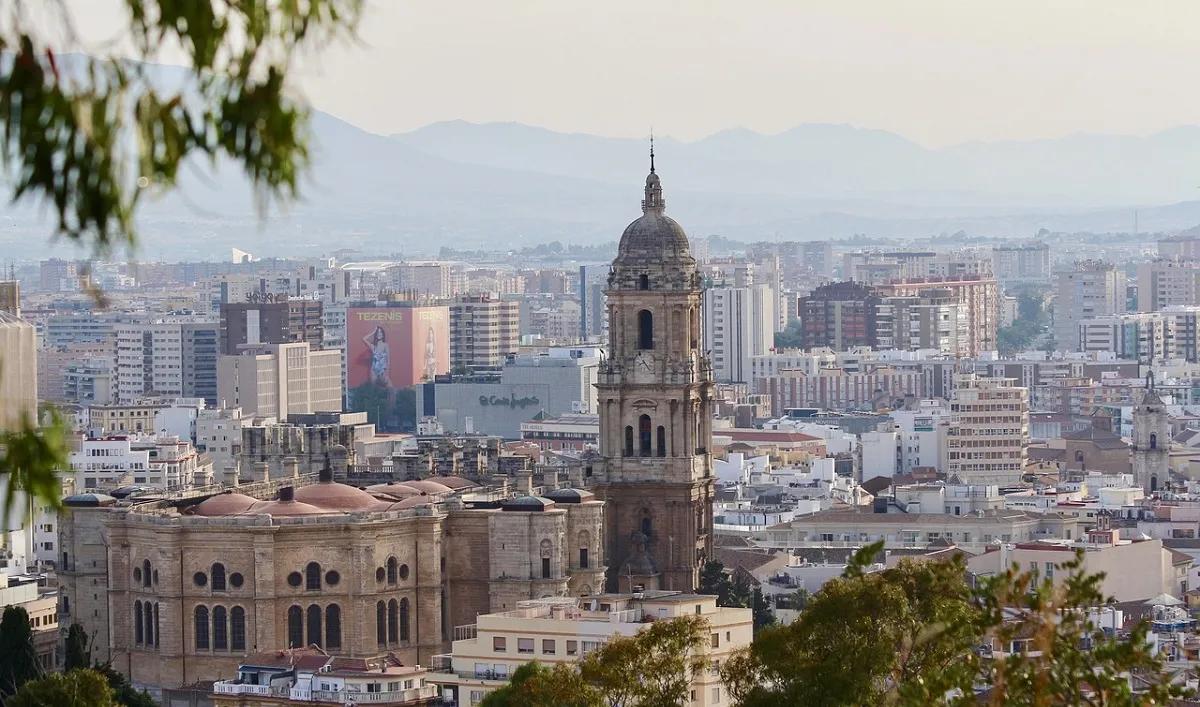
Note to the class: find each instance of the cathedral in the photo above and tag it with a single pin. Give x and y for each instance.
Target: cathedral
(655, 396)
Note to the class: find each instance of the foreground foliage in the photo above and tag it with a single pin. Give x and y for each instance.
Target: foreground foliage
(92, 135)
(911, 635)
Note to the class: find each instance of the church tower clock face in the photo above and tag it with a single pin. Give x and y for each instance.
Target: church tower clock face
(655, 393)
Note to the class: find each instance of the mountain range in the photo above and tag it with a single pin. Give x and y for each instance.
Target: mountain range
(473, 185)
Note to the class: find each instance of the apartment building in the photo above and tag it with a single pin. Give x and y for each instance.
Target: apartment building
(18, 372)
(1022, 263)
(171, 357)
(1145, 337)
(278, 380)
(162, 461)
(840, 315)
(977, 295)
(1168, 281)
(1093, 289)
(431, 278)
(564, 629)
(483, 331)
(739, 323)
(931, 320)
(988, 430)
(837, 389)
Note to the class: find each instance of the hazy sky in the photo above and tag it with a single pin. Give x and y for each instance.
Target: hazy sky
(939, 72)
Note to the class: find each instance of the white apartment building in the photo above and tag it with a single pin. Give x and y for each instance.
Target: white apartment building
(564, 629)
(277, 380)
(922, 435)
(1168, 281)
(739, 323)
(1092, 289)
(164, 462)
(878, 451)
(1144, 337)
(219, 435)
(774, 363)
(168, 357)
(988, 431)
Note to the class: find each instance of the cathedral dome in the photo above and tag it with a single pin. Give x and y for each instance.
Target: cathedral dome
(654, 236)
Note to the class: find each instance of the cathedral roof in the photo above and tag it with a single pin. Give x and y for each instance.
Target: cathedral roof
(334, 496)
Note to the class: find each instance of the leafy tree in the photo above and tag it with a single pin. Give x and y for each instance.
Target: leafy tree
(652, 668)
(535, 685)
(790, 337)
(75, 688)
(123, 692)
(404, 408)
(764, 616)
(92, 136)
(76, 653)
(373, 399)
(715, 580)
(18, 662)
(908, 636)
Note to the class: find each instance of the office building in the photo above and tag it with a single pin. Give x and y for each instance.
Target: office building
(277, 380)
(280, 322)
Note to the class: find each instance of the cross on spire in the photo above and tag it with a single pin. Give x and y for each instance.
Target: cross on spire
(651, 150)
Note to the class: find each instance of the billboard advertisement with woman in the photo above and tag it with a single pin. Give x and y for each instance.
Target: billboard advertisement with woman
(396, 347)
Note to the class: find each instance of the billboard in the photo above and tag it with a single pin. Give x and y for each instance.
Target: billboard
(396, 347)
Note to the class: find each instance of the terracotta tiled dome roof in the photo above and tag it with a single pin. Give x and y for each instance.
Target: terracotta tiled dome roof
(456, 483)
(427, 486)
(335, 496)
(225, 504)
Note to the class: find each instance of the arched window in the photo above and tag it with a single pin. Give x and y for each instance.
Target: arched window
(137, 622)
(646, 524)
(157, 635)
(145, 573)
(404, 619)
(391, 570)
(312, 576)
(645, 329)
(333, 627)
(148, 623)
(629, 440)
(585, 542)
(547, 552)
(644, 438)
(1153, 441)
(393, 623)
(314, 625)
(1079, 455)
(220, 629)
(218, 577)
(381, 623)
(1153, 483)
(644, 282)
(237, 628)
(201, 628)
(295, 627)
(662, 441)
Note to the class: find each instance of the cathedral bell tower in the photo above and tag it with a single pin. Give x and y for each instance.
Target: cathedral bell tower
(655, 395)
(1151, 441)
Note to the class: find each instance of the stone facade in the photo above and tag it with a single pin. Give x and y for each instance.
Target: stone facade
(655, 394)
(1151, 443)
(180, 591)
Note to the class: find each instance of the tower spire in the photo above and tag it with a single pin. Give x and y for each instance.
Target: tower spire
(654, 199)
(651, 150)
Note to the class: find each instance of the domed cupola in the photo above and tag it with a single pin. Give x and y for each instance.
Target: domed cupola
(654, 251)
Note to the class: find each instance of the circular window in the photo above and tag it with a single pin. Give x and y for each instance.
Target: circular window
(403, 571)
(295, 579)
(332, 577)
(200, 579)
(235, 579)
(137, 574)
(379, 575)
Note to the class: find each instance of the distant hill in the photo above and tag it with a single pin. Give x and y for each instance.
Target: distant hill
(472, 185)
